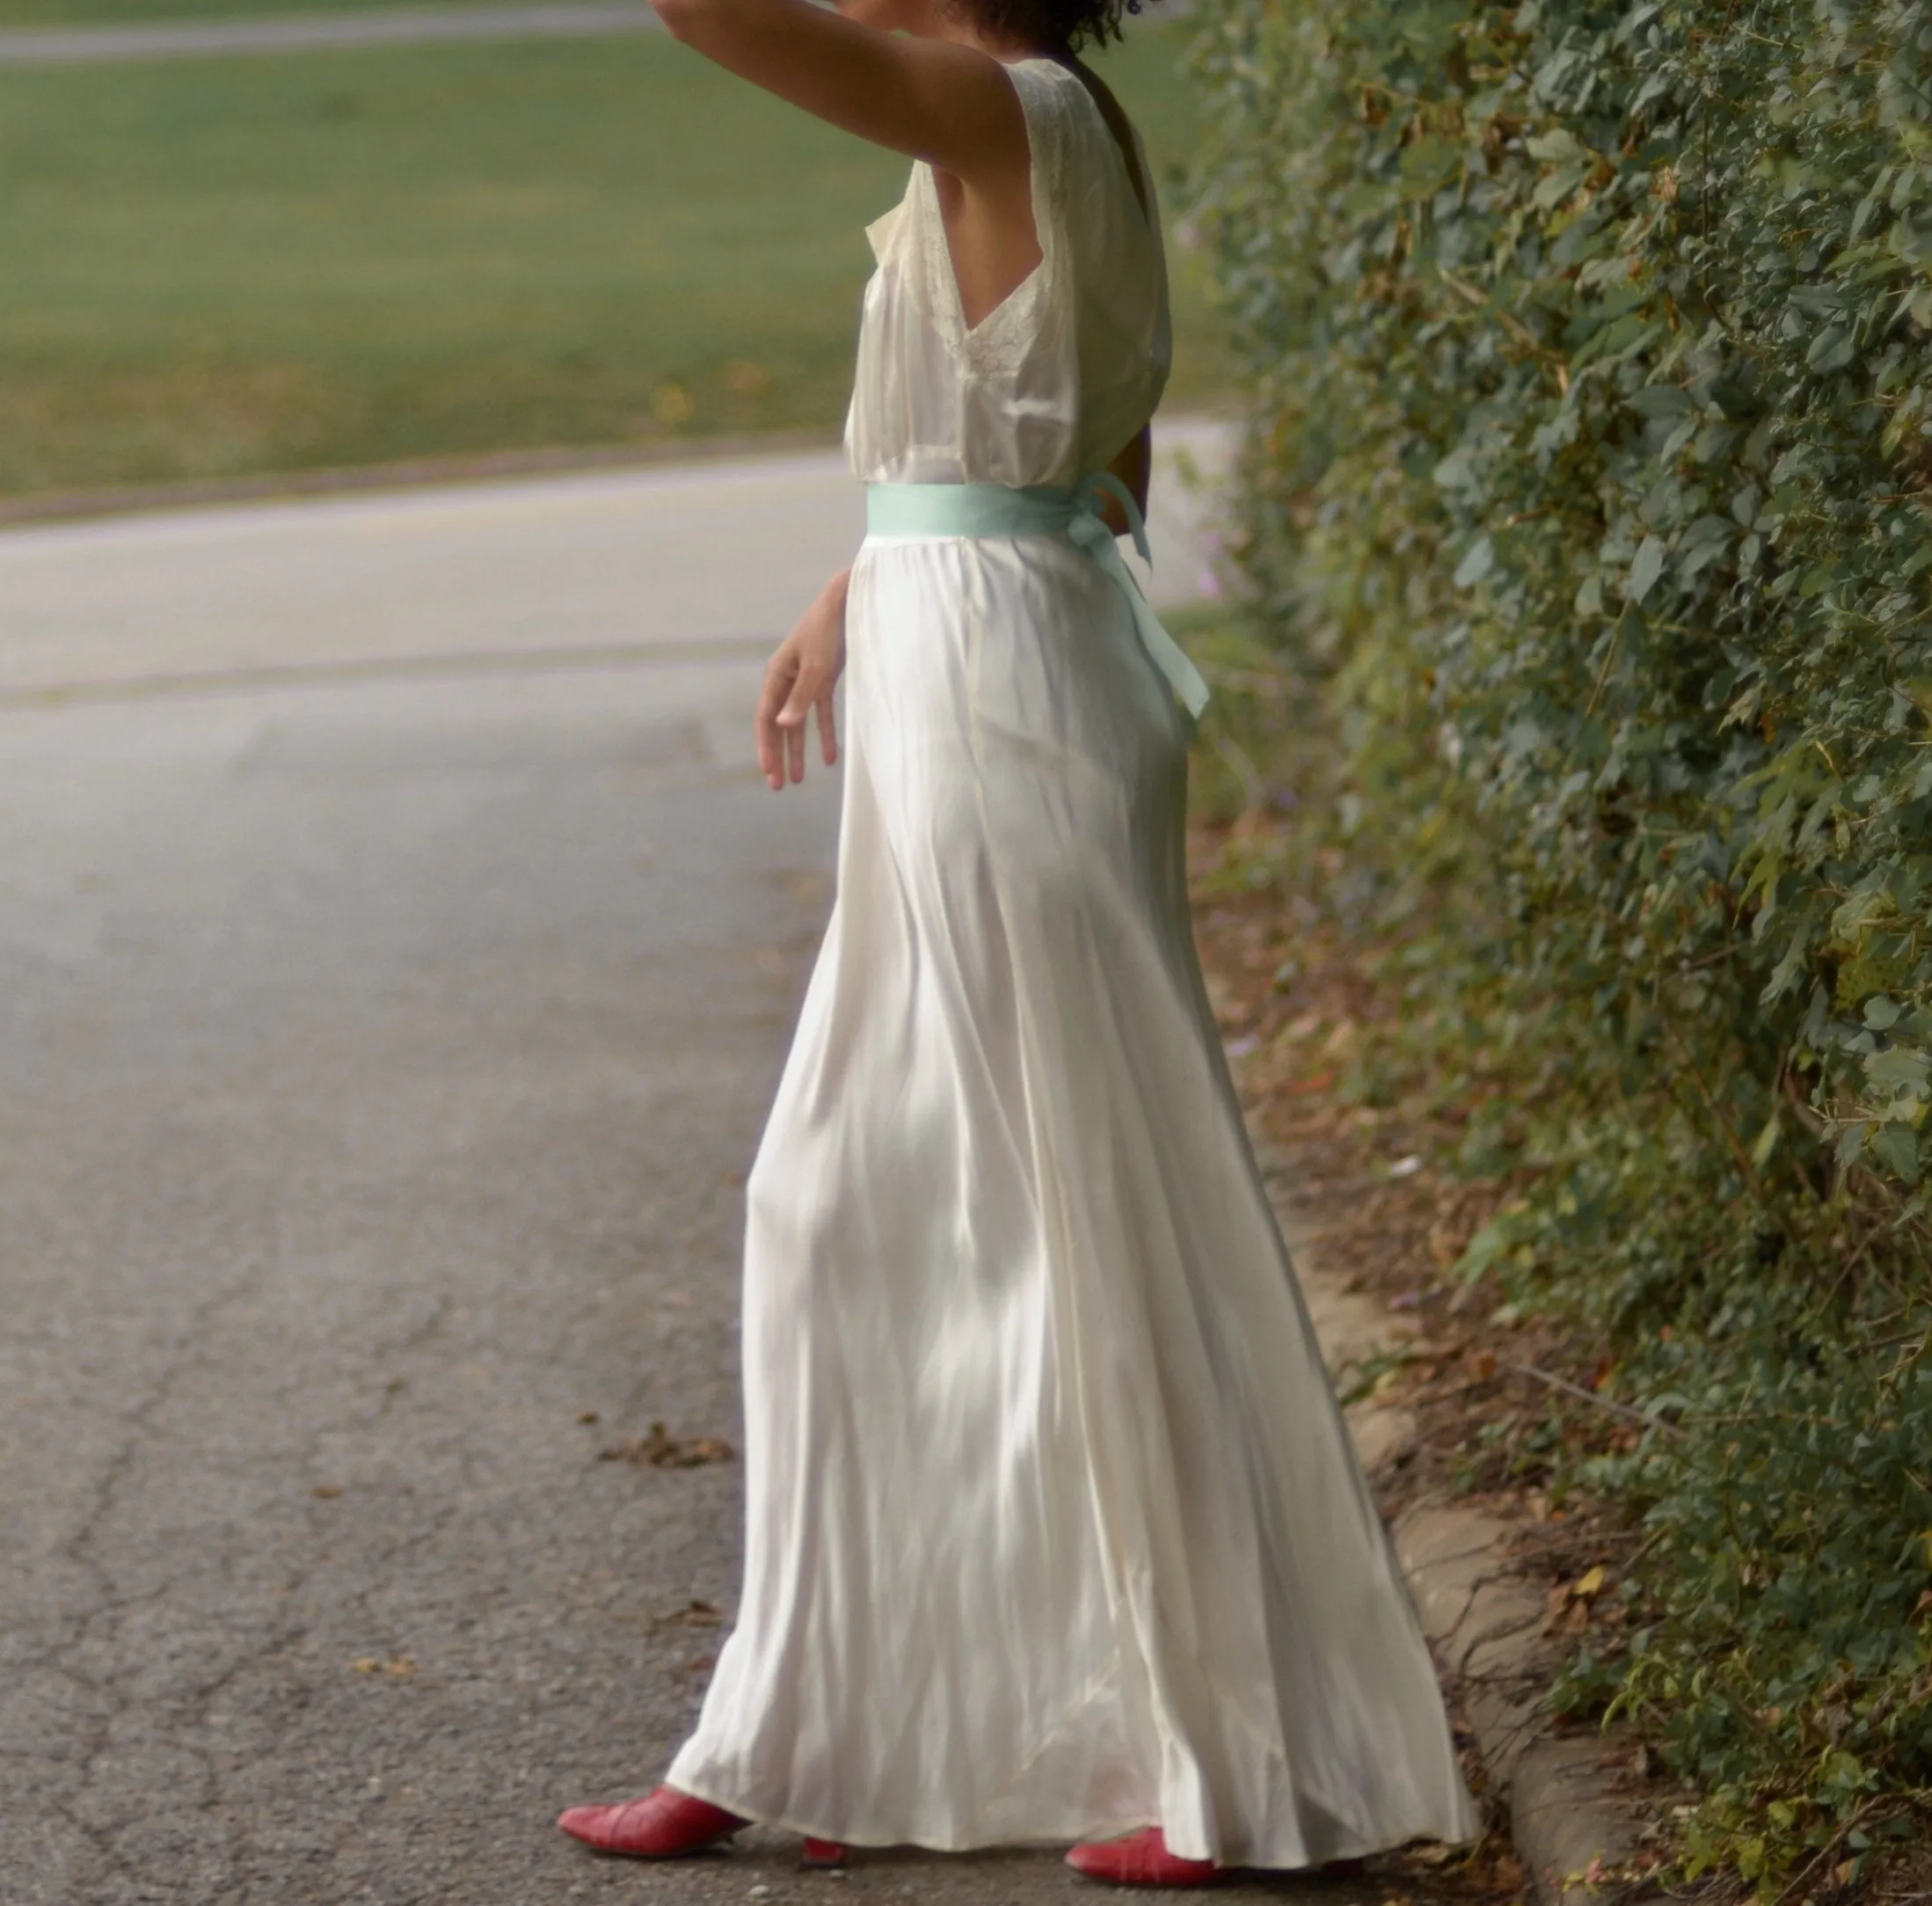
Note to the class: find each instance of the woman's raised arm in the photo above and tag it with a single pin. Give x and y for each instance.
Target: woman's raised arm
(936, 99)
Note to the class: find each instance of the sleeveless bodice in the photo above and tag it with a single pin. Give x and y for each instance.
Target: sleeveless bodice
(1054, 381)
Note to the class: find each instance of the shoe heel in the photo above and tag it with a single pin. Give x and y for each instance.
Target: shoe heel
(824, 1853)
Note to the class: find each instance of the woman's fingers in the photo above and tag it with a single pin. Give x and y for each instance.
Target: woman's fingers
(794, 687)
(808, 685)
(779, 673)
(794, 750)
(768, 747)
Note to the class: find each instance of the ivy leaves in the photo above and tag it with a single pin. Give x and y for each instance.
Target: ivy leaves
(1591, 485)
(1652, 292)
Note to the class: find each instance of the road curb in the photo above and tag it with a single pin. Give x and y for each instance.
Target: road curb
(416, 473)
(1569, 1814)
(1569, 1817)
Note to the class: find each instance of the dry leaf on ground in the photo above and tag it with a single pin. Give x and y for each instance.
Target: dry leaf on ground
(658, 1448)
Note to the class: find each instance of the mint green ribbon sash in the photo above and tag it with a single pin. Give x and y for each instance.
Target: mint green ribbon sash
(947, 509)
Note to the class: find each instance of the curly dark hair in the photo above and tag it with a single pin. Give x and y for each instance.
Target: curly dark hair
(1052, 25)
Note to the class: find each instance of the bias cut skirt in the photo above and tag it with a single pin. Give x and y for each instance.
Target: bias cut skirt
(1054, 1526)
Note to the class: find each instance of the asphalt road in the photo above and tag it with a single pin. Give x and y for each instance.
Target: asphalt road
(532, 574)
(381, 1058)
(397, 952)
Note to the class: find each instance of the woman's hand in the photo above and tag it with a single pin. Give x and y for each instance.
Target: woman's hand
(800, 677)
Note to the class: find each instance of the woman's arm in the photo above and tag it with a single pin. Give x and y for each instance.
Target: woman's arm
(935, 100)
(1134, 466)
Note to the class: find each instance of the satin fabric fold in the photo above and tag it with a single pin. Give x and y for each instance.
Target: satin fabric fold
(1055, 1529)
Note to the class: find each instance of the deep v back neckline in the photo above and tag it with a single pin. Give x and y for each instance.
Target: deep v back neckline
(1132, 169)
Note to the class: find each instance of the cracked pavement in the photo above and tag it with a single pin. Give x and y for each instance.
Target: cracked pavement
(386, 1033)
(382, 1061)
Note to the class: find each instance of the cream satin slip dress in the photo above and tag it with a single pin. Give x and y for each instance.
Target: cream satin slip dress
(1054, 1527)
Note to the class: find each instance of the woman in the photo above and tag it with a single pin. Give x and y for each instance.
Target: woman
(1056, 1532)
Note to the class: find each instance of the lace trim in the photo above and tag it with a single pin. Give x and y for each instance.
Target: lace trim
(1001, 339)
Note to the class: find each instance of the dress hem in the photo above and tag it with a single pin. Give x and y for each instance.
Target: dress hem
(1101, 1830)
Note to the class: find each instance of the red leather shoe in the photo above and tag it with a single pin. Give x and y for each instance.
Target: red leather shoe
(662, 1825)
(823, 1854)
(1142, 1859)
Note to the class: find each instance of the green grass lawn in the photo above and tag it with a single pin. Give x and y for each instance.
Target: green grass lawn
(149, 13)
(268, 264)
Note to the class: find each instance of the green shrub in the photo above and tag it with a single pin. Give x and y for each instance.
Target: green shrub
(1590, 501)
